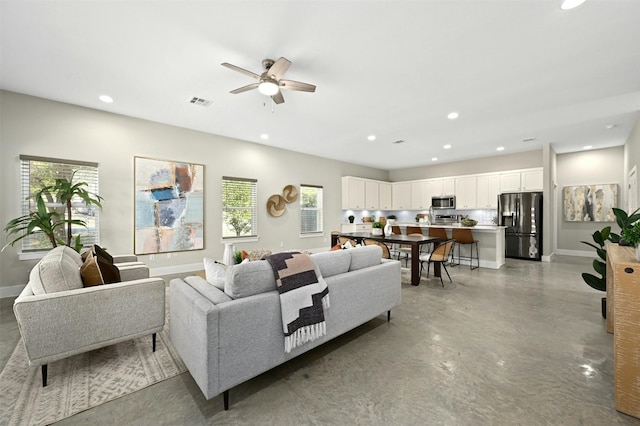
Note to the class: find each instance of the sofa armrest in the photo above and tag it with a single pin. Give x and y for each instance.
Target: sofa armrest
(57, 325)
(122, 258)
(129, 272)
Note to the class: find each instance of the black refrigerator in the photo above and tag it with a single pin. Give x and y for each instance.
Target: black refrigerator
(521, 213)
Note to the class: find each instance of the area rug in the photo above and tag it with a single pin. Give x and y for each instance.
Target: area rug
(83, 381)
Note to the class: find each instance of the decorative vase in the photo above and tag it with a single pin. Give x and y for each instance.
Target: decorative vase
(638, 252)
(229, 258)
(387, 229)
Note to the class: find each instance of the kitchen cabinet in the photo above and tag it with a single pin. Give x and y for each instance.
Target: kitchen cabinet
(353, 193)
(532, 180)
(520, 181)
(401, 195)
(420, 195)
(466, 192)
(385, 196)
(488, 189)
(446, 186)
(371, 195)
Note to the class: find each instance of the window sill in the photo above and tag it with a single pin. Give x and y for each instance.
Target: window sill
(32, 255)
(234, 240)
(312, 235)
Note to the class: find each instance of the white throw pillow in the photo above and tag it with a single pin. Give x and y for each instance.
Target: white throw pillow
(214, 272)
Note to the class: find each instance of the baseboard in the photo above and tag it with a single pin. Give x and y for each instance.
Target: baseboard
(11, 291)
(175, 269)
(577, 253)
(548, 258)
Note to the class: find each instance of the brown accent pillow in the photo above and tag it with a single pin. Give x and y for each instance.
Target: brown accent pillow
(90, 272)
(97, 271)
(102, 253)
(336, 247)
(245, 255)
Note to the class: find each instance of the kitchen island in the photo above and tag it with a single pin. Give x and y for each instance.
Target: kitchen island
(490, 239)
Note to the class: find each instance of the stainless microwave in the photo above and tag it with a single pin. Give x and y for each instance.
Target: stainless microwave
(443, 202)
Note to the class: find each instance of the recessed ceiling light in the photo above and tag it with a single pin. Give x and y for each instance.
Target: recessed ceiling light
(434, 159)
(587, 147)
(500, 148)
(447, 146)
(106, 99)
(571, 4)
(371, 137)
(452, 115)
(264, 136)
(610, 126)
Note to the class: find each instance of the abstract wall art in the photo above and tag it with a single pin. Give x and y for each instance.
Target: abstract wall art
(590, 203)
(169, 206)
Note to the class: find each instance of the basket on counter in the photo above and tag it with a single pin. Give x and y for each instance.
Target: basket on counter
(468, 222)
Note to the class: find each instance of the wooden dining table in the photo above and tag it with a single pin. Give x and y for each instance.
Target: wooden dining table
(415, 241)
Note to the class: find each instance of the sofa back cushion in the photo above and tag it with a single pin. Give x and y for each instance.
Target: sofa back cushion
(363, 257)
(247, 279)
(57, 271)
(332, 263)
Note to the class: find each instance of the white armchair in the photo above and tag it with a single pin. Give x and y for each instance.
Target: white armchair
(60, 323)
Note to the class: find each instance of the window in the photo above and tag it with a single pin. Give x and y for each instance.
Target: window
(310, 209)
(38, 173)
(239, 211)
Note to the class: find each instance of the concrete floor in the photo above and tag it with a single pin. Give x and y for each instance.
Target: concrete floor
(523, 345)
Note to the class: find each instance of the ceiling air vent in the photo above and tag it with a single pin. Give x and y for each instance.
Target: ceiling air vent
(199, 101)
(398, 141)
(529, 140)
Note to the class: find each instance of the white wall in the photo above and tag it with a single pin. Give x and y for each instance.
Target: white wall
(599, 166)
(45, 128)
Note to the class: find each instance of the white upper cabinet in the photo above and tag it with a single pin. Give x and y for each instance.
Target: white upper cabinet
(401, 193)
(488, 190)
(526, 180)
(420, 195)
(446, 186)
(385, 196)
(353, 193)
(371, 195)
(466, 192)
(532, 180)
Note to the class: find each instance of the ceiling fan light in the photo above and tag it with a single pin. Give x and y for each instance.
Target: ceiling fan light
(268, 88)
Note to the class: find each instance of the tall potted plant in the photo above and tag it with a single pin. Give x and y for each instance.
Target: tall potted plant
(600, 237)
(56, 225)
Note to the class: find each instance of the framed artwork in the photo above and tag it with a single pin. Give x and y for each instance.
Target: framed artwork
(169, 206)
(590, 203)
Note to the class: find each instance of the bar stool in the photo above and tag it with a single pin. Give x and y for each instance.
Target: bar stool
(465, 237)
(439, 233)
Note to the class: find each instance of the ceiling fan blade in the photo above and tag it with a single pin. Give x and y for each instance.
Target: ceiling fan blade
(297, 85)
(279, 67)
(278, 98)
(242, 70)
(245, 88)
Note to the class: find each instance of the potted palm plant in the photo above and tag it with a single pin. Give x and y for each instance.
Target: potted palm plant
(54, 217)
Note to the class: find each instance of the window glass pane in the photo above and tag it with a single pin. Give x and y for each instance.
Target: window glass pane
(239, 208)
(38, 173)
(310, 209)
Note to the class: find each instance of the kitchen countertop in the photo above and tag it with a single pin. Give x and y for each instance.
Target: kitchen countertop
(453, 225)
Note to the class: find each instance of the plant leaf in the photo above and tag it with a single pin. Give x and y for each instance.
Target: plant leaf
(595, 282)
(600, 267)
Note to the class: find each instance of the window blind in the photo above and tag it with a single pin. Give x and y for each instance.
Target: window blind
(239, 207)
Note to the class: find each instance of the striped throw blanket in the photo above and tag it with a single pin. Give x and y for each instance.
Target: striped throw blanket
(303, 297)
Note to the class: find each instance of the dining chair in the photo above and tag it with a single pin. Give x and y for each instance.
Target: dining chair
(439, 233)
(405, 249)
(386, 254)
(344, 240)
(440, 254)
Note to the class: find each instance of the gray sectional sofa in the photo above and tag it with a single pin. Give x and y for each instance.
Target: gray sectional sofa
(226, 337)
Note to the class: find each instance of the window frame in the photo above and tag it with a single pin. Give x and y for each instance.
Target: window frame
(253, 208)
(319, 230)
(83, 171)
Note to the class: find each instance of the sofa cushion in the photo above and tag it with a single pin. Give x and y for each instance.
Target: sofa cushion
(332, 262)
(56, 271)
(363, 257)
(214, 272)
(205, 288)
(68, 252)
(247, 279)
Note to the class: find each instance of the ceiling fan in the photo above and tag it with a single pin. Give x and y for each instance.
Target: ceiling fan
(270, 81)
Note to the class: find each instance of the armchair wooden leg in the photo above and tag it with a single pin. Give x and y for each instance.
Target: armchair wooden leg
(153, 341)
(44, 375)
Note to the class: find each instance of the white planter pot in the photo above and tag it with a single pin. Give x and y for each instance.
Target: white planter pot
(376, 231)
